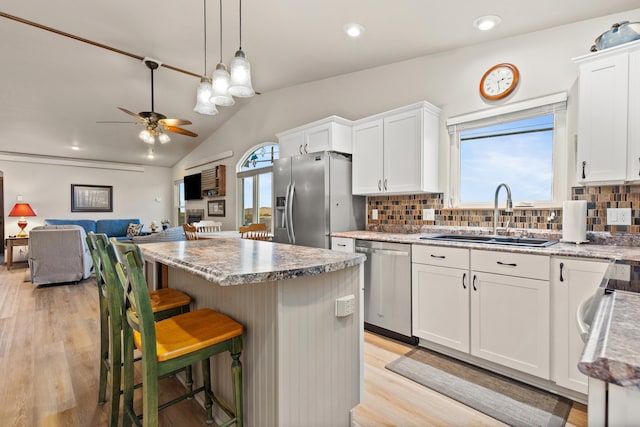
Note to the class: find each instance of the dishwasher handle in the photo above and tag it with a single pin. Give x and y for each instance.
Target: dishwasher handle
(392, 252)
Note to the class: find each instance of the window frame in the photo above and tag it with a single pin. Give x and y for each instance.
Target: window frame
(552, 104)
(255, 173)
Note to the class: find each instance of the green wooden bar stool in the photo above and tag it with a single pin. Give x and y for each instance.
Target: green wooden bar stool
(171, 344)
(165, 303)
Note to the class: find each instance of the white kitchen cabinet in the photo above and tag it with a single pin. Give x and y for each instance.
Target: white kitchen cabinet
(572, 281)
(440, 295)
(330, 134)
(608, 135)
(343, 244)
(396, 152)
(510, 314)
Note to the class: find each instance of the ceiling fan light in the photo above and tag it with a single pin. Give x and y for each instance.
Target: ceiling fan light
(220, 86)
(203, 96)
(163, 138)
(146, 136)
(240, 82)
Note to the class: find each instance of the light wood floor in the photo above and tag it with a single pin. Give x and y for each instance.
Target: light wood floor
(49, 340)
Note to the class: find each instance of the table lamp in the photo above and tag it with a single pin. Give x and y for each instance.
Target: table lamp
(22, 210)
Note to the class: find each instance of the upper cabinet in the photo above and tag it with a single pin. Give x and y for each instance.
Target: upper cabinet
(608, 129)
(397, 152)
(213, 181)
(330, 134)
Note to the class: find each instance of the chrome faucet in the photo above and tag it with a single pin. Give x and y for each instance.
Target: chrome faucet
(509, 208)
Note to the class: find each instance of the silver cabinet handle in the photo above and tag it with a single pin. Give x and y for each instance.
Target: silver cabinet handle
(385, 184)
(379, 185)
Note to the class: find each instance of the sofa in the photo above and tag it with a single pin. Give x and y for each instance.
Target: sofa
(111, 227)
(58, 254)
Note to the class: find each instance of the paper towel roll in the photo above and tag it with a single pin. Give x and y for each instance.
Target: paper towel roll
(574, 221)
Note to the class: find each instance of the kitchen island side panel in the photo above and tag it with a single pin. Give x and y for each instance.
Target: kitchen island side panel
(319, 353)
(255, 307)
(301, 363)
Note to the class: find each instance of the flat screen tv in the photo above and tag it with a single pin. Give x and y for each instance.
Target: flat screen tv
(192, 190)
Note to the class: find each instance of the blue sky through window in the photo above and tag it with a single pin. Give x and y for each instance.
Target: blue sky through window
(519, 153)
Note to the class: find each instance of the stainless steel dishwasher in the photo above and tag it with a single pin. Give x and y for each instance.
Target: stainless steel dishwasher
(387, 286)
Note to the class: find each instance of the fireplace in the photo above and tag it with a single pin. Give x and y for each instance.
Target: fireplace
(195, 215)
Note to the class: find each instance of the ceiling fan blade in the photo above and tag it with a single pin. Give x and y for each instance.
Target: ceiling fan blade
(176, 129)
(124, 110)
(174, 122)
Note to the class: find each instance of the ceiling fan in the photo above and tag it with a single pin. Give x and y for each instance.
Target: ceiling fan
(155, 122)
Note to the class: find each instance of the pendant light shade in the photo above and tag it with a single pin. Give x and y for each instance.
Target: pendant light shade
(240, 83)
(221, 94)
(240, 69)
(203, 98)
(203, 94)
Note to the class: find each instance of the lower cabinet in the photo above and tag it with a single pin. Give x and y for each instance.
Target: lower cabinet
(493, 305)
(572, 282)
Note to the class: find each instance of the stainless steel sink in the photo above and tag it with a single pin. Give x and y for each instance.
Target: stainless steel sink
(493, 240)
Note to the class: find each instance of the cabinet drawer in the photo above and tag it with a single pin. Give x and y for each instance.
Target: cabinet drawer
(441, 256)
(512, 264)
(343, 244)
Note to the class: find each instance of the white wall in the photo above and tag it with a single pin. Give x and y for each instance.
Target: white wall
(449, 80)
(47, 188)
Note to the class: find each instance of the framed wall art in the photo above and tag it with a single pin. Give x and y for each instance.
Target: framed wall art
(215, 208)
(91, 198)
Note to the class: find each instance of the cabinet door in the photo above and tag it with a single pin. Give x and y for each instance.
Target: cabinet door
(572, 282)
(403, 152)
(633, 166)
(440, 305)
(291, 144)
(367, 157)
(510, 322)
(318, 138)
(602, 122)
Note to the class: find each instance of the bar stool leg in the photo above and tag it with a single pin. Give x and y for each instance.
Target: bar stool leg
(206, 379)
(115, 358)
(104, 352)
(236, 377)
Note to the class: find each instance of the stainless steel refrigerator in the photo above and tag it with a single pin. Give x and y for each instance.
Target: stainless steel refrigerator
(313, 199)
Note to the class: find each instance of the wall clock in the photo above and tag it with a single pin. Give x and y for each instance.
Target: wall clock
(499, 81)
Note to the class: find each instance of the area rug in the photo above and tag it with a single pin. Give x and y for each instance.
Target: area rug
(502, 398)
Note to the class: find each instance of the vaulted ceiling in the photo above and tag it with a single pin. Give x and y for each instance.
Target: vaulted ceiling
(55, 89)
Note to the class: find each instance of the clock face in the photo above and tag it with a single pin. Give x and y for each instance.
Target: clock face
(499, 81)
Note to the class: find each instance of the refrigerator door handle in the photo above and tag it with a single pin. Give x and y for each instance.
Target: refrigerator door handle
(285, 220)
(292, 235)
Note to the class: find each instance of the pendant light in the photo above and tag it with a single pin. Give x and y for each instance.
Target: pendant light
(203, 97)
(240, 83)
(220, 95)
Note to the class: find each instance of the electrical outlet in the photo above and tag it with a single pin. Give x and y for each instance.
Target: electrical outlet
(345, 306)
(618, 216)
(374, 214)
(620, 272)
(428, 214)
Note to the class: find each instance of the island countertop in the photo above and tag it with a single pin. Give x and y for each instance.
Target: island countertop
(236, 261)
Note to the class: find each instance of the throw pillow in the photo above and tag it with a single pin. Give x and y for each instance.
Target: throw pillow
(134, 230)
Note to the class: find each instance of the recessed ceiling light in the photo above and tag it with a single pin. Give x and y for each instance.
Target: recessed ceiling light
(75, 148)
(353, 29)
(487, 22)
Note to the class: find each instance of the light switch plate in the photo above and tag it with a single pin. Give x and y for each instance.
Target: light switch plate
(618, 216)
(428, 214)
(345, 306)
(620, 272)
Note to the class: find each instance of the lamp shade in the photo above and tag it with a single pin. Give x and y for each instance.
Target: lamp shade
(220, 95)
(22, 209)
(240, 82)
(203, 98)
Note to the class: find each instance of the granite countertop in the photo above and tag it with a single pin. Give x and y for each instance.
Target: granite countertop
(612, 350)
(233, 261)
(585, 250)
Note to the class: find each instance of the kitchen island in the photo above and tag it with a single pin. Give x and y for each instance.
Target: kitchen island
(302, 364)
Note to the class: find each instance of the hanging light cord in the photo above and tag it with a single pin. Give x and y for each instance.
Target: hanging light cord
(240, 25)
(220, 31)
(205, 37)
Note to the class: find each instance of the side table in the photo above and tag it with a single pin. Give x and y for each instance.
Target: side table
(10, 243)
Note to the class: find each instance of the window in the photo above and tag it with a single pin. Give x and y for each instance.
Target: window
(180, 203)
(255, 173)
(525, 149)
